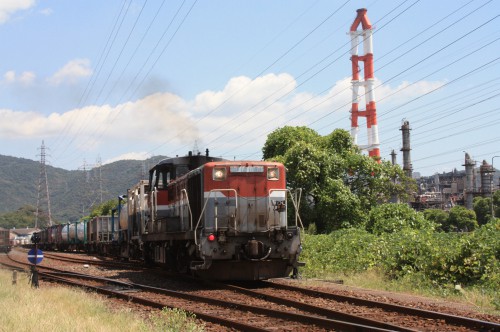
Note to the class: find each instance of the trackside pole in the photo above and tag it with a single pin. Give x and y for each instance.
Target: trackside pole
(35, 238)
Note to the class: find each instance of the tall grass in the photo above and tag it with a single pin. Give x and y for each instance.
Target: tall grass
(61, 309)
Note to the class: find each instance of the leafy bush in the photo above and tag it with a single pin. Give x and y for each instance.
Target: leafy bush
(345, 251)
(438, 258)
(405, 252)
(390, 218)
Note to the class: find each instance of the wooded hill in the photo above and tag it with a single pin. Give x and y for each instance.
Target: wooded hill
(72, 193)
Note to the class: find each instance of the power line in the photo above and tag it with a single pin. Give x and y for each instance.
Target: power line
(300, 84)
(92, 81)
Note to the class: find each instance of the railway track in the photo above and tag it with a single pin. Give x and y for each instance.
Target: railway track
(94, 261)
(220, 311)
(273, 291)
(299, 308)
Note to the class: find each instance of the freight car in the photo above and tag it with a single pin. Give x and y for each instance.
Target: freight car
(4, 240)
(214, 218)
(93, 235)
(73, 235)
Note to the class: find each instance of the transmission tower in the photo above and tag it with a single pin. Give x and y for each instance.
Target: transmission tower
(89, 188)
(43, 182)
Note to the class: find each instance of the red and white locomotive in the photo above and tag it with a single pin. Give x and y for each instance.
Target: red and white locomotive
(224, 220)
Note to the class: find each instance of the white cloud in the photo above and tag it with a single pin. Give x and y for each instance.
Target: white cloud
(149, 120)
(10, 76)
(26, 78)
(71, 72)
(242, 92)
(129, 156)
(405, 91)
(9, 7)
(164, 123)
(46, 11)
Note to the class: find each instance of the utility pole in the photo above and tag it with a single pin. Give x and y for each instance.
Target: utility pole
(43, 182)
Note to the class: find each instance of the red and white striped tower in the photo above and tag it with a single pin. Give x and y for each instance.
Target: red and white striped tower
(370, 113)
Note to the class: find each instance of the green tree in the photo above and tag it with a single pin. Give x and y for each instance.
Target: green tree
(339, 206)
(496, 203)
(482, 208)
(461, 219)
(340, 185)
(308, 168)
(23, 217)
(280, 140)
(340, 142)
(439, 217)
(104, 209)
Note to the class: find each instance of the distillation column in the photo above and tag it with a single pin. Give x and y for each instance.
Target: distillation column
(407, 167)
(469, 180)
(368, 83)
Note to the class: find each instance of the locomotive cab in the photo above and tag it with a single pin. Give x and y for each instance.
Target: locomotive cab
(219, 219)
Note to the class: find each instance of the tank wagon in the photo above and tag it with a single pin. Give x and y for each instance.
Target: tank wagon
(214, 218)
(4, 240)
(73, 235)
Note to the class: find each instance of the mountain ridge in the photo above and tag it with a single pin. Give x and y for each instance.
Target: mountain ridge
(72, 193)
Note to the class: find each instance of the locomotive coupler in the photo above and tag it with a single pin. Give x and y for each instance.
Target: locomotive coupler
(207, 262)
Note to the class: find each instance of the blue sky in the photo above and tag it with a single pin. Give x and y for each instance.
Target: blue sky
(107, 80)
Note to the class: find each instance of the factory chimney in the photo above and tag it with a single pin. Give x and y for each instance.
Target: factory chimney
(407, 167)
(469, 181)
(393, 157)
(368, 83)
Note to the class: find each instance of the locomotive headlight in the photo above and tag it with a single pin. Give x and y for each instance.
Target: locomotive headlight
(219, 174)
(273, 173)
(211, 238)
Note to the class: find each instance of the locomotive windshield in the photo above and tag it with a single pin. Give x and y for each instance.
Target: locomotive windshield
(159, 179)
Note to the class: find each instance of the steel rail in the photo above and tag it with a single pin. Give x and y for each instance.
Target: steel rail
(304, 319)
(450, 319)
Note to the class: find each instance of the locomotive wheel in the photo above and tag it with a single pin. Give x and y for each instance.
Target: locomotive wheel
(148, 261)
(182, 260)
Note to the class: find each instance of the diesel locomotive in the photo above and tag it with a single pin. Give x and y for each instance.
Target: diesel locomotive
(214, 218)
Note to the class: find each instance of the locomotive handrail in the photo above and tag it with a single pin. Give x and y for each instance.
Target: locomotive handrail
(189, 208)
(296, 204)
(205, 205)
(269, 203)
(155, 204)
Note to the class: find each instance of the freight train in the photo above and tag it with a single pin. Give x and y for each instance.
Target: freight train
(213, 218)
(4, 240)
